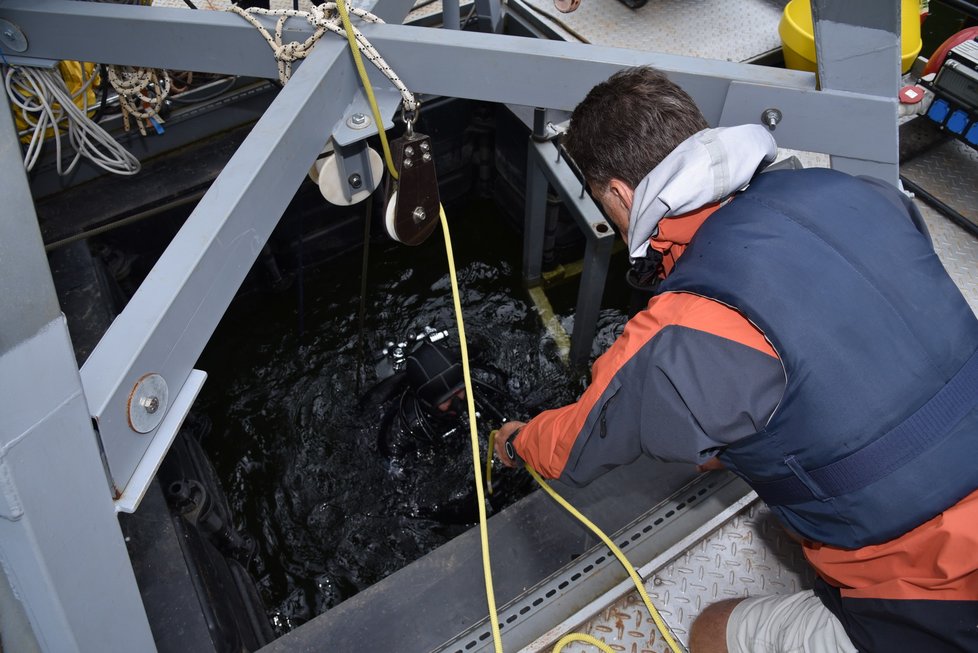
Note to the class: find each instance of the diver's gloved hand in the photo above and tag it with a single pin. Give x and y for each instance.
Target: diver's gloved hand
(505, 432)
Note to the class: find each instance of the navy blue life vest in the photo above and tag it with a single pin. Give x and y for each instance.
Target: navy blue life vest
(877, 430)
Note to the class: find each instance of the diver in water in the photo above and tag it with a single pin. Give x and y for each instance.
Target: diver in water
(424, 432)
(431, 407)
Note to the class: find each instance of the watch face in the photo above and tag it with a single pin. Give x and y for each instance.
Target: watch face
(510, 450)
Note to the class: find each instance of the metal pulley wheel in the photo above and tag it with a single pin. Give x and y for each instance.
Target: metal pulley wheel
(341, 190)
(410, 232)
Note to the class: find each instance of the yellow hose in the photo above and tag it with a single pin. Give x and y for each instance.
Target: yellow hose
(473, 432)
(639, 585)
(581, 637)
(470, 399)
(483, 528)
(629, 567)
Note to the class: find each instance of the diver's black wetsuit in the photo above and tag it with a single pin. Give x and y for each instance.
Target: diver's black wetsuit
(424, 434)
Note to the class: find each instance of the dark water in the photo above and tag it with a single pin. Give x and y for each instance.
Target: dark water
(296, 447)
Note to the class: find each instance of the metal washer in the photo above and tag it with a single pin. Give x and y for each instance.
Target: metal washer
(147, 403)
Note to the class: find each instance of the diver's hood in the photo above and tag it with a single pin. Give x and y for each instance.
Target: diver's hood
(434, 373)
(705, 168)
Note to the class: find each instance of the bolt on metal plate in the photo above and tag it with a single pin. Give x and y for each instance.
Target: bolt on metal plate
(147, 403)
(12, 37)
(358, 121)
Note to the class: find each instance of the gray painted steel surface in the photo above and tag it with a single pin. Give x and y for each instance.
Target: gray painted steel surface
(553, 74)
(858, 50)
(429, 602)
(544, 162)
(60, 542)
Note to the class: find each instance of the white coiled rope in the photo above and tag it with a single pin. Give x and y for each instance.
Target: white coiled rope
(322, 17)
(142, 92)
(43, 101)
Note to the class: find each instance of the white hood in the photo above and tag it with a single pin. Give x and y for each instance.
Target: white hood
(707, 167)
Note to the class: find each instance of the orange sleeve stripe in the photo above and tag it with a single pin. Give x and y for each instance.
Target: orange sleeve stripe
(935, 561)
(546, 441)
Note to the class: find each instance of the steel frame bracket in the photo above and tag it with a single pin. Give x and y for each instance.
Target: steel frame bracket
(545, 165)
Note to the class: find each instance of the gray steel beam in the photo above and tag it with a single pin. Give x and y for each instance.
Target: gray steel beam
(60, 542)
(29, 298)
(168, 321)
(858, 50)
(597, 232)
(838, 122)
(556, 75)
(553, 74)
(857, 45)
(597, 254)
(451, 16)
(534, 207)
(490, 13)
(182, 39)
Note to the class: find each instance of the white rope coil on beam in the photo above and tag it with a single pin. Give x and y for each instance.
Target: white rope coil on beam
(322, 17)
(142, 92)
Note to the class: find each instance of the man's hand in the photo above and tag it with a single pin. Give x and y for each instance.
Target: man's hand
(708, 466)
(502, 435)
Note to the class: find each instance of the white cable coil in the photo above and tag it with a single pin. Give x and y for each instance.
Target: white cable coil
(323, 17)
(44, 102)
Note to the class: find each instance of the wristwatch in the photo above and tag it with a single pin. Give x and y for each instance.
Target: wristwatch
(509, 448)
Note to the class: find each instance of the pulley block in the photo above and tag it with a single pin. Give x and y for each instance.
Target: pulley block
(412, 211)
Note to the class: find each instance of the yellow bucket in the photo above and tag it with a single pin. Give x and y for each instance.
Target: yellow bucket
(797, 34)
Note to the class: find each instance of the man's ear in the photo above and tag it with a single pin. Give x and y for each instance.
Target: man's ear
(622, 192)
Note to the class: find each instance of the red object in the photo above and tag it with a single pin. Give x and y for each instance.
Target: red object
(911, 94)
(937, 59)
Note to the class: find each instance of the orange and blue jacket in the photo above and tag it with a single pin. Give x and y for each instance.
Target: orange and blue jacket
(689, 379)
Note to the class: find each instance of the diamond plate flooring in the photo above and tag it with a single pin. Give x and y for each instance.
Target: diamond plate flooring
(750, 555)
(957, 249)
(712, 29)
(949, 172)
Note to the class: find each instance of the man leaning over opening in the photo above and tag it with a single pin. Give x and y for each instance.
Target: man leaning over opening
(805, 336)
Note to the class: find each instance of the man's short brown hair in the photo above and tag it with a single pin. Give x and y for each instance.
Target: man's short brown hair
(628, 124)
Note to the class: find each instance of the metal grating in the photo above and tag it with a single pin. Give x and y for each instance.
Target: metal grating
(720, 29)
(750, 555)
(948, 172)
(957, 249)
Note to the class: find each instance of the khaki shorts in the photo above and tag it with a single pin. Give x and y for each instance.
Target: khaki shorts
(788, 623)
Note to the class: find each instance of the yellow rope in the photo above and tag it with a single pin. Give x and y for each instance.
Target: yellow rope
(581, 637)
(367, 88)
(636, 579)
(473, 431)
(639, 585)
(470, 399)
